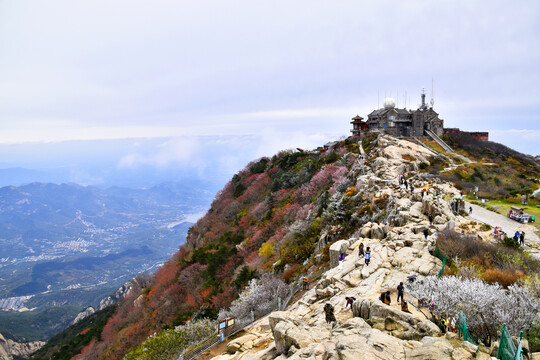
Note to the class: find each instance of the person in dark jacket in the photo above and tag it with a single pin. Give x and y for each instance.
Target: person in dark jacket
(329, 311)
(361, 250)
(426, 233)
(400, 290)
(350, 300)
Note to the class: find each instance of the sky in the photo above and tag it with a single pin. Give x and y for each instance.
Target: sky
(212, 85)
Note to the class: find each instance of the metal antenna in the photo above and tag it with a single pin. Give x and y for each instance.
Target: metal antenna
(432, 101)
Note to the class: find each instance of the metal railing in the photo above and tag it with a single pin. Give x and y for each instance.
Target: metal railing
(239, 325)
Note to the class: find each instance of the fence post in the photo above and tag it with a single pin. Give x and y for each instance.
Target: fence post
(252, 316)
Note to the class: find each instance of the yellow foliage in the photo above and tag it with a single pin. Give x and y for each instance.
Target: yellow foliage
(266, 249)
(352, 191)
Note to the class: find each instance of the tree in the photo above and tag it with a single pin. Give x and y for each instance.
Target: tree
(260, 294)
(487, 306)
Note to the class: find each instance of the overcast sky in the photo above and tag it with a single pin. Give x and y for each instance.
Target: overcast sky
(290, 72)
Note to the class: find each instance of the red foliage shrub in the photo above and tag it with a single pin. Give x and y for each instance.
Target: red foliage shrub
(289, 274)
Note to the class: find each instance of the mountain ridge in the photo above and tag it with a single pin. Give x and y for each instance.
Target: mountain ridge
(270, 217)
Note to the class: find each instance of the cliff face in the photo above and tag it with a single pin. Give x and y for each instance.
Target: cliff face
(10, 349)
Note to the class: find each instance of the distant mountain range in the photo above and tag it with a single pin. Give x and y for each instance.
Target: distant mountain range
(68, 245)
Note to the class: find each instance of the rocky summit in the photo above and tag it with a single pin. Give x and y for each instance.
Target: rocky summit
(400, 248)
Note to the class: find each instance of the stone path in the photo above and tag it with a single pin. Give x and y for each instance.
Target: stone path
(509, 226)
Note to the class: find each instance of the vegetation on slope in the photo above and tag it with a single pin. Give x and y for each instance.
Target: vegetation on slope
(499, 172)
(268, 218)
(73, 339)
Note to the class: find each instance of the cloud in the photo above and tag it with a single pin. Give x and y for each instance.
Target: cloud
(523, 140)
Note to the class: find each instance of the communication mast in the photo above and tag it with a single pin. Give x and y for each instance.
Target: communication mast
(432, 101)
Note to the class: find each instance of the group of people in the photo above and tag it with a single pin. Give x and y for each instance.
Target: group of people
(385, 298)
(519, 238)
(366, 254)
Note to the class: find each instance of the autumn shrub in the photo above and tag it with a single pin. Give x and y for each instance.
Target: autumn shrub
(504, 278)
(289, 274)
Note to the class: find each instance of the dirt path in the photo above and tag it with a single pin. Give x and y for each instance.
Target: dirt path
(509, 226)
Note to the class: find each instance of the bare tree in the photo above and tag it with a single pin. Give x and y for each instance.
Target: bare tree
(487, 306)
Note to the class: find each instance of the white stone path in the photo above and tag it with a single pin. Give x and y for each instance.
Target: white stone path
(509, 226)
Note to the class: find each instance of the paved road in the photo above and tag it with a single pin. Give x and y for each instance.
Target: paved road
(532, 241)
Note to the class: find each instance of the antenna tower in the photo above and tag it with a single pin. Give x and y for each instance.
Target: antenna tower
(432, 101)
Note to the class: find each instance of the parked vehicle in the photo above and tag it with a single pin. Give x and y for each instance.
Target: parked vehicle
(516, 213)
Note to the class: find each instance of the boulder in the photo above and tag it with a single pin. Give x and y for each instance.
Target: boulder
(293, 333)
(337, 248)
(242, 343)
(370, 344)
(426, 328)
(378, 312)
(461, 354)
(432, 349)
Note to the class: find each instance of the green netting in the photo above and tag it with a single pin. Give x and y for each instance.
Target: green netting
(463, 330)
(443, 258)
(442, 269)
(519, 351)
(507, 349)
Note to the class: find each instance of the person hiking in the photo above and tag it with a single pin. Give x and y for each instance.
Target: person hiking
(522, 238)
(405, 307)
(367, 256)
(305, 283)
(430, 218)
(442, 325)
(341, 257)
(423, 192)
(350, 300)
(412, 188)
(361, 250)
(470, 209)
(385, 297)
(329, 311)
(400, 289)
(426, 233)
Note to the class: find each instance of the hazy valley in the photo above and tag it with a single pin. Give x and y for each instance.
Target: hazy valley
(65, 247)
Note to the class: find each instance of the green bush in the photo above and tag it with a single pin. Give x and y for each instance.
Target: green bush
(534, 338)
(510, 242)
(170, 343)
(423, 165)
(244, 277)
(259, 167)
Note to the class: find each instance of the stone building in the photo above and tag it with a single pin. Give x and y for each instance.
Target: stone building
(403, 122)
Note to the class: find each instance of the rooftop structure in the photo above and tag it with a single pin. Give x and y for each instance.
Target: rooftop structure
(402, 122)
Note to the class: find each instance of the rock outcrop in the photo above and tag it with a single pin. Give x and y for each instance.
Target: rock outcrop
(10, 349)
(399, 247)
(83, 314)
